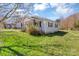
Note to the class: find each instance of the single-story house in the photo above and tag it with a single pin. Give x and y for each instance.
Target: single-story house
(43, 24)
(12, 23)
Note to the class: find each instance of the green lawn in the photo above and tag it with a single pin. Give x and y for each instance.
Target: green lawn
(13, 42)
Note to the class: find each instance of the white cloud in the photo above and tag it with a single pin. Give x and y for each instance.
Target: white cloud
(20, 10)
(57, 4)
(36, 14)
(42, 6)
(54, 5)
(62, 10)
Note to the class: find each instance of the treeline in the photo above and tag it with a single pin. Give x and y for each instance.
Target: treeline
(70, 23)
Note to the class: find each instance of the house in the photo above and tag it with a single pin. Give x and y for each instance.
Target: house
(43, 24)
(14, 22)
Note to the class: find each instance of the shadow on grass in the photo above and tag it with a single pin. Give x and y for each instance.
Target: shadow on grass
(9, 48)
(33, 47)
(59, 33)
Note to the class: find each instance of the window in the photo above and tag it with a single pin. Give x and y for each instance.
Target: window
(50, 24)
(56, 25)
(40, 23)
(34, 22)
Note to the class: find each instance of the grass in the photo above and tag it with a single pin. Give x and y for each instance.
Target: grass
(16, 43)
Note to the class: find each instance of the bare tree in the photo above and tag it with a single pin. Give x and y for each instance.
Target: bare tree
(13, 7)
(7, 12)
(27, 12)
(10, 12)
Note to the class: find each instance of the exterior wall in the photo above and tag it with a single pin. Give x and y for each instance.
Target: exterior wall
(47, 29)
(18, 25)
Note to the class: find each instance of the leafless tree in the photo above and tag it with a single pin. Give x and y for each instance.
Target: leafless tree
(8, 12)
(27, 12)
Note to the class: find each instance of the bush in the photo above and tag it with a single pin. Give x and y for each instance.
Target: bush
(34, 32)
(31, 29)
(23, 29)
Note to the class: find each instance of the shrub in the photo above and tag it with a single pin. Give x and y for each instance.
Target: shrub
(31, 29)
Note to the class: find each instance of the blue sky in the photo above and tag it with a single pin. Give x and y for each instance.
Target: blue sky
(53, 11)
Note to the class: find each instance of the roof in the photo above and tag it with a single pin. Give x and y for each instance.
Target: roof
(41, 18)
(26, 18)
